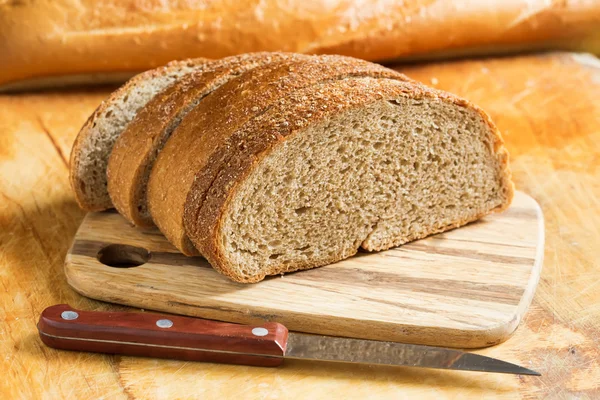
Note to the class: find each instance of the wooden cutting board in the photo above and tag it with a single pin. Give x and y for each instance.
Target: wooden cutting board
(465, 288)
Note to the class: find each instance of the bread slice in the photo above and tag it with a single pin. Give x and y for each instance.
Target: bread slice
(129, 169)
(92, 147)
(360, 162)
(218, 115)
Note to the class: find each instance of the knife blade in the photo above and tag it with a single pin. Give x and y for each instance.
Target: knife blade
(268, 344)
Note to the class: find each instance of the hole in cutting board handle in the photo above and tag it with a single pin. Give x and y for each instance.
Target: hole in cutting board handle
(123, 256)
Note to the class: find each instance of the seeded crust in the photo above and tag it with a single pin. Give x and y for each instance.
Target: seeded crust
(217, 184)
(88, 180)
(208, 125)
(136, 149)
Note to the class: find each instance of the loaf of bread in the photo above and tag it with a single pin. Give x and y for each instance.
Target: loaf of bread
(46, 42)
(271, 163)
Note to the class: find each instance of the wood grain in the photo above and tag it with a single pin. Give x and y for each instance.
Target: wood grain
(547, 108)
(468, 287)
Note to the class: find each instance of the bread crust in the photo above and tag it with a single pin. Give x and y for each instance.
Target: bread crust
(62, 37)
(208, 126)
(128, 170)
(77, 172)
(234, 161)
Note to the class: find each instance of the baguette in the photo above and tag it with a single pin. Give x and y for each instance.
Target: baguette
(218, 115)
(358, 162)
(128, 171)
(59, 38)
(92, 147)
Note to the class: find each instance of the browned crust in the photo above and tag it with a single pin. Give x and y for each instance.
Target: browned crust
(128, 170)
(216, 118)
(251, 144)
(62, 37)
(75, 170)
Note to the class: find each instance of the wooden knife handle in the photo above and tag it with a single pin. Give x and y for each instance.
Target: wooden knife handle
(163, 336)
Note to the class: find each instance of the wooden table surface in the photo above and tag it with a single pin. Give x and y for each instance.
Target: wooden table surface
(547, 106)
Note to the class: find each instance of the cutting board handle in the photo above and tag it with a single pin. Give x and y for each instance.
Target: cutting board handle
(163, 336)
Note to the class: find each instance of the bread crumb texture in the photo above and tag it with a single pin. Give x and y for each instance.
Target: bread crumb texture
(315, 174)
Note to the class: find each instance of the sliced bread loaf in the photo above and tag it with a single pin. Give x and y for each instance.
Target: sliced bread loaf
(92, 147)
(138, 145)
(359, 162)
(209, 124)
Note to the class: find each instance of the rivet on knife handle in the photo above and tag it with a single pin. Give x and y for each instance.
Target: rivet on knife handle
(153, 335)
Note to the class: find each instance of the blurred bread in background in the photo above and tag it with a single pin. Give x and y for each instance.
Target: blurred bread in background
(49, 43)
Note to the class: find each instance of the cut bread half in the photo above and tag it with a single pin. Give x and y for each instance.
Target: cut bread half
(92, 147)
(135, 150)
(207, 126)
(359, 162)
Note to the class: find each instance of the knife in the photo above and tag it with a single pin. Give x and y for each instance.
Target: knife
(268, 344)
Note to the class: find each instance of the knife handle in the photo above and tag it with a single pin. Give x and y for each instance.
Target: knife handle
(163, 336)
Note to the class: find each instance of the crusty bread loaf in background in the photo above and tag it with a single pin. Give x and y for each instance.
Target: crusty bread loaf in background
(46, 42)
